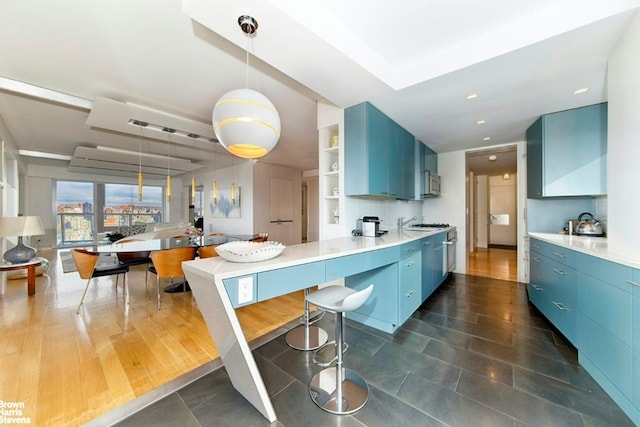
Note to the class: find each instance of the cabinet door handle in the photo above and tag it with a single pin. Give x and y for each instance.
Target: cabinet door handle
(560, 272)
(536, 287)
(410, 264)
(411, 293)
(631, 282)
(559, 255)
(560, 306)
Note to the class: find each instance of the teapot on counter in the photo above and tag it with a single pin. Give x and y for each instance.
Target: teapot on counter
(588, 227)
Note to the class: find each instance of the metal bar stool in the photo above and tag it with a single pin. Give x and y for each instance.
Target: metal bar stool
(336, 389)
(307, 337)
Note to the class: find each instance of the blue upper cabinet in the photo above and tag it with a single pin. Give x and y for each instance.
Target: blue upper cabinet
(379, 155)
(567, 153)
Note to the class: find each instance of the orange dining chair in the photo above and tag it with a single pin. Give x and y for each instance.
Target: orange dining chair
(262, 237)
(86, 261)
(132, 259)
(208, 251)
(167, 264)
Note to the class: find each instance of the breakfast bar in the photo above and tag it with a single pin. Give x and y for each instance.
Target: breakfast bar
(220, 286)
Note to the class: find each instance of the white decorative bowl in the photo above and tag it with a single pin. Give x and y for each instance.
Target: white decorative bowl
(245, 251)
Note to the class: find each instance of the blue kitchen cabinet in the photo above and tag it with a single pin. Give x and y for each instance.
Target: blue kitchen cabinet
(406, 170)
(430, 160)
(397, 290)
(635, 290)
(567, 153)
(552, 288)
(380, 311)
(607, 312)
(428, 281)
(410, 284)
(378, 155)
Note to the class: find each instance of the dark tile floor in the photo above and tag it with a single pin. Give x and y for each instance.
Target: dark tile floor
(475, 354)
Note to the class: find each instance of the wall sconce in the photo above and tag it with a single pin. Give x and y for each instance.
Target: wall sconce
(506, 176)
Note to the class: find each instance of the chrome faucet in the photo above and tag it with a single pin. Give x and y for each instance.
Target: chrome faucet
(402, 222)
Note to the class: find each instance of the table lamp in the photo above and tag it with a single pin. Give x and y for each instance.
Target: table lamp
(20, 226)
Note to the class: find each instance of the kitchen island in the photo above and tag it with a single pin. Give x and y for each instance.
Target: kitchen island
(220, 286)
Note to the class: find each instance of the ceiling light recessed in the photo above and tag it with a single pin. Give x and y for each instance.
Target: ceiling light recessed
(472, 96)
(481, 122)
(486, 138)
(493, 158)
(581, 90)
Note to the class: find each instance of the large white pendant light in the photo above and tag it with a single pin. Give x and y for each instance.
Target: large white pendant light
(245, 121)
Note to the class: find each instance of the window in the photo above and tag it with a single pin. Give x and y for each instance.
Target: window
(86, 208)
(74, 212)
(122, 208)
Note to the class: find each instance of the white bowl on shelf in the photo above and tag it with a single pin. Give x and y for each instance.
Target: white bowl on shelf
(246, 251)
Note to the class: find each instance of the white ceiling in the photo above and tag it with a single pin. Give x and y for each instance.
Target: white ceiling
(169, 61)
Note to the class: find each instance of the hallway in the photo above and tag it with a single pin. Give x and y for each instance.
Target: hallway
(494, 263)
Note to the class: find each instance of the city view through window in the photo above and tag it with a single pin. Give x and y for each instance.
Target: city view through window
(86, 208)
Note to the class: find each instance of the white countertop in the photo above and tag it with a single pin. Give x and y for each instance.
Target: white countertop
(322, 250)
(594, 246)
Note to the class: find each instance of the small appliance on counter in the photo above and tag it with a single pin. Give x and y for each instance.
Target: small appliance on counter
(587, 226)
(371, 226)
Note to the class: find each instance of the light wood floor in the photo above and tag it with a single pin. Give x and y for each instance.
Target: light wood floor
(68, 369)
(495, 263)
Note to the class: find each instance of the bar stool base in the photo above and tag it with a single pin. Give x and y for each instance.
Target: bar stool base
(306, 338)
(355, 391)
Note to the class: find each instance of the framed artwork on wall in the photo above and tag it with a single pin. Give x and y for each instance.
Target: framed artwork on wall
(225, 206)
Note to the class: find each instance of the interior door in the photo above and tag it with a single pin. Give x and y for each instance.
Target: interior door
(502, 211)
(281, 210)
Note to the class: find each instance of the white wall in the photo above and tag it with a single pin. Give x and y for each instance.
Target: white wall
(450, 207)
(242, 175)
(623, 148)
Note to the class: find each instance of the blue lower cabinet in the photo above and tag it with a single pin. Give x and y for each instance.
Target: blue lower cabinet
(553, 289)
(410, 285)
(380, 311)
(428, 282)
(612, 357)
(635, 291)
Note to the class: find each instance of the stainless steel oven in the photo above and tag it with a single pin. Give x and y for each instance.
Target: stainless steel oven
(450, 244)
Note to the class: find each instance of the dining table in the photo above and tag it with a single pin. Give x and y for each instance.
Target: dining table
(170, 243)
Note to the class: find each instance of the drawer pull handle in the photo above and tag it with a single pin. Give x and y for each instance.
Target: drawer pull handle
(411, 293)
(560, 272)
(426, 243)
(410, 264)
(560, 306)
(536, 246)
(536, 287)
(411, 249)
(631, 282)
(537, 259)
(559, 255)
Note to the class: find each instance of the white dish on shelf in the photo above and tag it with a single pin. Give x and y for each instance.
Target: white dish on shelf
(246, 251)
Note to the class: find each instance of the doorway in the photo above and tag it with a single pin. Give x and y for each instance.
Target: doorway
(492, 199)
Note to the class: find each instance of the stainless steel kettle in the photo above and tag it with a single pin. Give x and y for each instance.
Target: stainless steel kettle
(588, 227)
